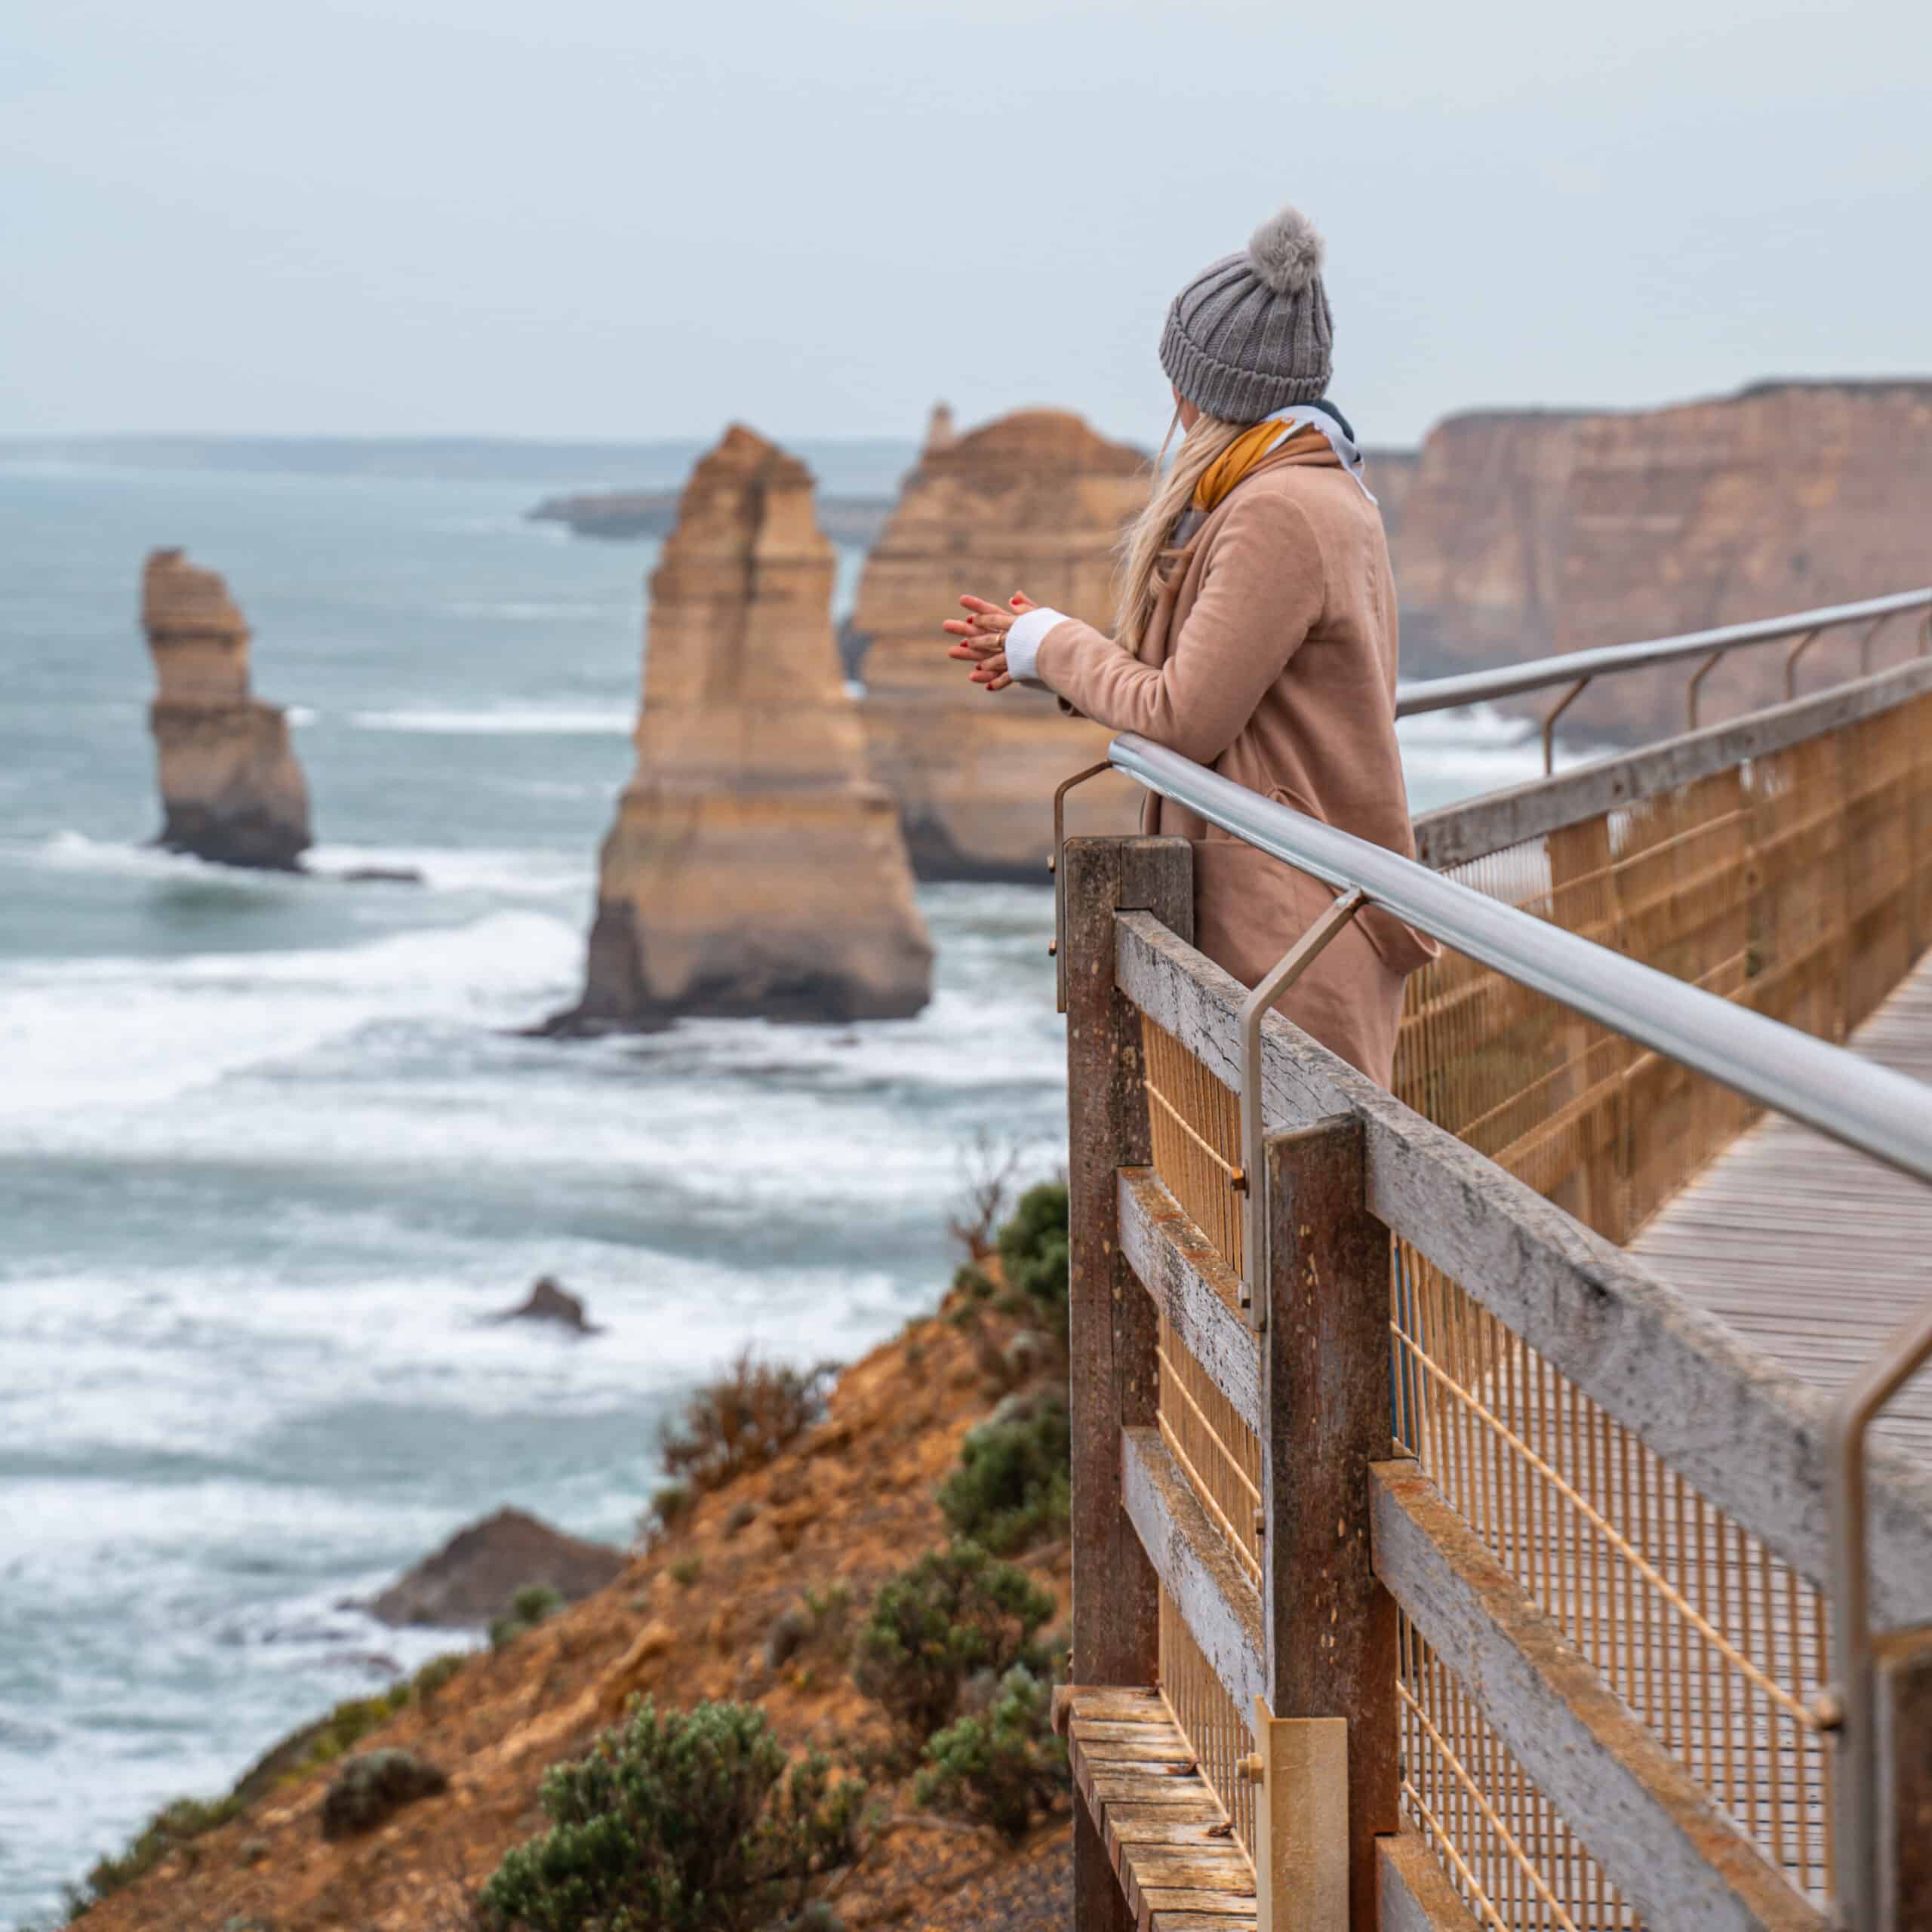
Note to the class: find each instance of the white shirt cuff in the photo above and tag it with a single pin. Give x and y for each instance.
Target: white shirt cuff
(1023, 641)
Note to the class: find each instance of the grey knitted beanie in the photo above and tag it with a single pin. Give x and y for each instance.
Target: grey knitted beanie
(1251, 334)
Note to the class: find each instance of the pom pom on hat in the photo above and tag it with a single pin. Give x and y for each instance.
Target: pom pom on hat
(1286, 252)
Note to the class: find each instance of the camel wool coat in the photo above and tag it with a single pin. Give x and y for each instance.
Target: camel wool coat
(1270, 656)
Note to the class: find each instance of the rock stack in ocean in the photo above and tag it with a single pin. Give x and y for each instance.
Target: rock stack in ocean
(231, 789)
(1034, 502)
(754, 869)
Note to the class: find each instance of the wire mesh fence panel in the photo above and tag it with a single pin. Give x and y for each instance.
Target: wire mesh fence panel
(1515, 1860)
(1218, 1731)
(1717, 1644)
(1195, 1120)
(1218, 1454)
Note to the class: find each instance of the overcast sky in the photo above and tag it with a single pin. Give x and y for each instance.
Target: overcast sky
(618, 218)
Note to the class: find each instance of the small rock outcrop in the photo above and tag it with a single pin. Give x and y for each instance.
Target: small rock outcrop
(231, 789)
(475, 1576)
(1036, 502)
(369, 1789)
(549, 1301)
(754, 869)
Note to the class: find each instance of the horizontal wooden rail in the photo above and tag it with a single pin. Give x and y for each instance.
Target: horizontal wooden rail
(1646, 1822)
(1196, 1290)
(1222, 1608)
(1453, 835)
(1413, 1893)
(1749, 1436)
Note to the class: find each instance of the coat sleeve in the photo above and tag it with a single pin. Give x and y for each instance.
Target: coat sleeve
(1262, 591)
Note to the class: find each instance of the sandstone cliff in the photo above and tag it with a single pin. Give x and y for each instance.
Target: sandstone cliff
(231, 789)
(1032, 502)
(754, 869)
(1523, 534)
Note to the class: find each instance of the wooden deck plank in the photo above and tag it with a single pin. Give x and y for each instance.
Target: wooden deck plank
(1166, 1835)
(1812, 1252)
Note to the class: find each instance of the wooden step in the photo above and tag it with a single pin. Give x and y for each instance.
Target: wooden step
(1166, 1835)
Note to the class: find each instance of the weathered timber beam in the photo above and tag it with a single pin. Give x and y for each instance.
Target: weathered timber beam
(1748, 1435)
(1222, 1608)
(1193, 1287)
(1648, 1822)
(1455, 834)
(1413, 1893)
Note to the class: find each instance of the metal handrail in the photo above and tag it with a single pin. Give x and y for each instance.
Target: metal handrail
(1577, 668)
(1881, 1113)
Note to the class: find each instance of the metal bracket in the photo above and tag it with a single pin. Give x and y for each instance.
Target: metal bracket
(1865, 642)
(1056, 865)
(1790, 658)
(1850, 1701)
(1250, 1180)
(1301, 1822)
(1563, 704)
(1697, 678)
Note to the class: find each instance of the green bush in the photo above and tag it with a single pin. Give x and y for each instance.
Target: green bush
(682, 1822)
(1033, 1250)
(670, 1504)
(743, 1419)
(534, 1604)
(955, 1612)
(171, 1828)
(1001, 1766)
(434, 1675)
(1013, 1485)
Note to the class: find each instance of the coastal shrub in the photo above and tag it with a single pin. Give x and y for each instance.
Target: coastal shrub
(1013, 1486)
(370, 1789)
(171, 1828)
(680, 1821)
(1002, 1766)
(534, 1604)
(670, 1505)
(434, 1675)
(686, 1570)
(955, 1612)
(1034, 1251)
(819, 1624)
(989, 1162)
(740, 1422)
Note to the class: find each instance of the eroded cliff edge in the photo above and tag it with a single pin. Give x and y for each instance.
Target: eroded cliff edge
(232, 790)
(754, 869)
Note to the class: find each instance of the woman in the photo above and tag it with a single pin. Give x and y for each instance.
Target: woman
(1255, 633)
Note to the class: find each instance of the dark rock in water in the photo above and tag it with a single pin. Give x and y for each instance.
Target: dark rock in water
(473, 1577)
(370, 1788)
(380, 875)
(548, 1302)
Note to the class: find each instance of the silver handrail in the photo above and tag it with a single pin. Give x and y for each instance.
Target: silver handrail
(1882, 1114)
(1577, 668)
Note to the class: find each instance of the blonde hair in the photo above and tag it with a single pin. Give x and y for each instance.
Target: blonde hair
(1147, 542)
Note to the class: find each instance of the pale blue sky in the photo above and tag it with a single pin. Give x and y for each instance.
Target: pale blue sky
(617, 218)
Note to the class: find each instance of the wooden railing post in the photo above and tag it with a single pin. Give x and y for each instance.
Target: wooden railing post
(1901, 1670)
(1327, 1398)
(1111, 1322)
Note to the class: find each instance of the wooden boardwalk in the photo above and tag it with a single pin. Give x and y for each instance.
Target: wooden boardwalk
(1813, 1253)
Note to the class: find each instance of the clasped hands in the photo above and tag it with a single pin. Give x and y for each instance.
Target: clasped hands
(980, 637)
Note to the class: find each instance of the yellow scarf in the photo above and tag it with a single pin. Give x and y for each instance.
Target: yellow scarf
(1247, 451)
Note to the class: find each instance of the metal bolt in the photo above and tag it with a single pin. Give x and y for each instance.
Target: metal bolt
(1827, 1710)
(1053, 864)
(1238, 1181)
(1053, 948)
(1251, 1770)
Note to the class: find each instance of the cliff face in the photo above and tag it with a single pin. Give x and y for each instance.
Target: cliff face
(231, 789)
(753, 868)
(1032, 501)
(1525, 534)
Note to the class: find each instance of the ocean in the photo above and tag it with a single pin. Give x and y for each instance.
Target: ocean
(272, 1150)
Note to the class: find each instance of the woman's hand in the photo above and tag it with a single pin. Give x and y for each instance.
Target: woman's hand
(981, 637)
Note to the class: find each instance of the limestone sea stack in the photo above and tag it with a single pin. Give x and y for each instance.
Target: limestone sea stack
(231, 789)
(755, 869)
(1036, 502)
